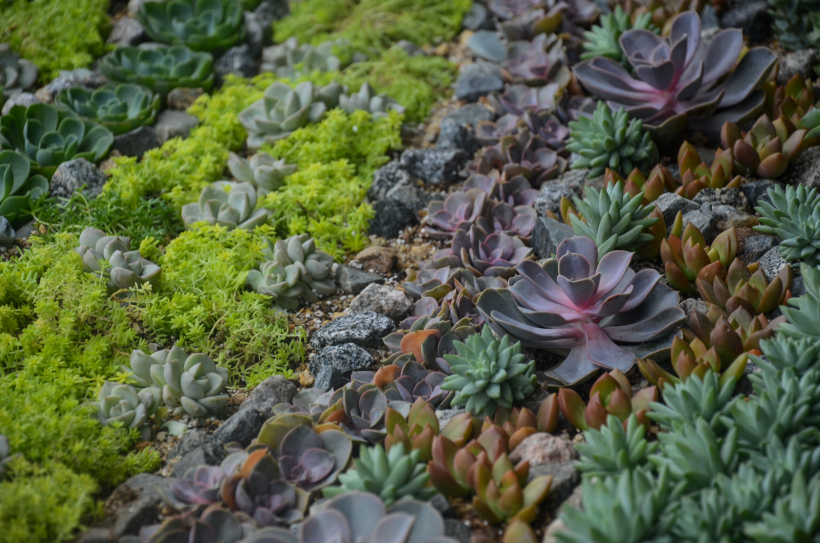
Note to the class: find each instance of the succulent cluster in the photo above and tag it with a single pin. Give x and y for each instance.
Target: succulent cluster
(484, 253)
(289, 59)
(160, 69)
(48, 136)
(295, 270)
(192, 384)
(368, 100)
(687, 257)
(535, 62)
(746, 286)
(407, 380)
(650, 186)
(767, 148)
(120, 108)
(794, 216)
(460, 210)
(261, 170)
(525, 154)
(16, 74)
(426, 339)
(109, 257)
(232, 205)
(122, 404)
(696, 175)
(793, 22)
(583, 306)
(202, 25)
(544, 128)
(519, 99)
(19, 187)
(416, 431)
(611, 395)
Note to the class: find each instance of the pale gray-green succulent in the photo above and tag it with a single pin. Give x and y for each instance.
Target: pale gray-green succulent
(289, 59)
(125, 269)
(16, 74)
(367, 99)
(234, 208)
(118, 402)
(295, 270)
(262, 171)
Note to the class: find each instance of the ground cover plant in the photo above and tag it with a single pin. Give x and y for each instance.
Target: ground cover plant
(408, 271)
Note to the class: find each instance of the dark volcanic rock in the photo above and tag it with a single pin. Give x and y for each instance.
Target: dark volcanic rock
(391, 217)
(434, 166)
(365, 330)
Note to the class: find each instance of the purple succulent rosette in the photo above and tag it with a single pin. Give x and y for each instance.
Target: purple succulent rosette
(599, 312)
(457, 212)
(412, 381)
(678, 78)
(546, 127)
(483, 253)
(536, 62)
(520, 99)
(516, 191)
(522, 154)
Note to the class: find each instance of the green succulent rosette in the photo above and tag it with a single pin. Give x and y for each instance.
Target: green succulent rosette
(202, 25)
(119, 108)
(18, 187)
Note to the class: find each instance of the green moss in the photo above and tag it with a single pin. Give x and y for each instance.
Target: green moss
(43, 503)
(37, 30)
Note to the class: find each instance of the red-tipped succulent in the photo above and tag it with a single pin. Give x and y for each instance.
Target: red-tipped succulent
(611, 394)
(406, 380)
(746, 286)
(637, 183)
(417, 430)
(696, 175)
(766, 149)
(427, 340)
(687, 257)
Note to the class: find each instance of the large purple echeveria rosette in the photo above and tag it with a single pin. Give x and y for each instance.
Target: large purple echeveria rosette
(601, 312)
(679, 78)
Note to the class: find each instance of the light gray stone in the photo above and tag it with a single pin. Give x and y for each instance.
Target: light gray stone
(729, 217)
(181, 98)
(754, 247)
(126, 32)
(805, 170)
(446, 415)
(547, 235)
(270, 392)
(479, 79)
(238, 60)
(136, 142)
(542, 448)
(210, 453)
(472, 114)
(456, 136)
(443, 506)
(390, 218)
(138, 501)
(731, 197)
(192, 439)
(704, 220)
(434, 166)
(353, 281)
(382, 299)
(550, 194)
(457, 530)
(24, 99)
(477, 18)
(757, 191)
(71, 175)
(387, 177)
(690, 305)
(772, 262)
(81, 77)
(487, 45)
(410, 48)
(750, 16)
(242, 428)
(365, 330)
(346, 358)
(7, 233)
(174, 124)
(565, 477)
(796, 63)
(330, 378)
(135, 5)
(670, 203)
(412, 197)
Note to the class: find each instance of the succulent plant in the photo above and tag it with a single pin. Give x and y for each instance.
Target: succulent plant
(283, 109)
(488, 373)
(687, 257)
(193, 384)
(458, 211)
(803, 313)
(392, 476)
(796, 515)
(526, 25)
(696, 175)
(793, 22)
(615, 447)
(516, 191)
(261, 170)
(522, 154)
(651, 186)
(19, 188)
(378, 105)
(483, 253)
(613, 218)
(521, 423)
(16, 74)
(213, 525)
(125, 268)
(602, 39)
(670, 88)
(519, 99)
(610, 140)
(746, 286)
(121, 403)
(361, 517)
(426, 340)
(120, 108)
(610, 395)
(48, 136)
(295, 269)
(289, 59)
(308, 457)
(793, 101)
(406, 380)
(360, 412)
(416, 431)
(544, 128)
(161, 69)
(231, 208)
(203, 25)
(535, 62)
(767, 148)
(579, 304)
(794, 216)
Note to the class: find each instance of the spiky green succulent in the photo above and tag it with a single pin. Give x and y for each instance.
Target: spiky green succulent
(295, 270)
(602, 39)
(232, 208)
(124, 269)
(190, 384)
(794, 216)
(48, 136)
(392, 476)
(262, 171)
(366, 99)
(282, 109)
(289, 59)
(202, 25)
(614, 447)
(796, 516)
(16, 74)
(803, 313)
(793, 22)
(161, 69)
(489, 373)
(18, 187)
(610, 140)
(613, 218)
(119, 108)
(122, 403)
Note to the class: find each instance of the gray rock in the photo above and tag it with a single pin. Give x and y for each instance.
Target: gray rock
(330, 378)
(565, 477)
(173, 124)
(547, 234)
(208, 454)
(670, 203)
(457, 530)
(709, 18)
(390, 218)
(729, 217)
(704, 220)
(487, 45)
(353, 280)
(410, 48)
(772, 262)
(238, 60)
(26, 231)
(71, 175)
(754, 247)
(549, 197)
(478, 79)
(126, 32)
(136, 142)
(692, 304)
(7, 233)
(757, 191)
(797, 63)
(24, 99)
(270, 392)
(725, 196)
(346, 358)
(442, 505)
(412, 196)
(456, 136)
(385, 178)
(434, 166)
(805, 170)
(191, 440)
(472, 114)
(382, 299)
(138, 503)
(81, 77)
(181, 98)
(365, 330)
(258, 24)
(477, 18)
(242, 428)
(798, 287)
(99, 535)
(751, 17)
